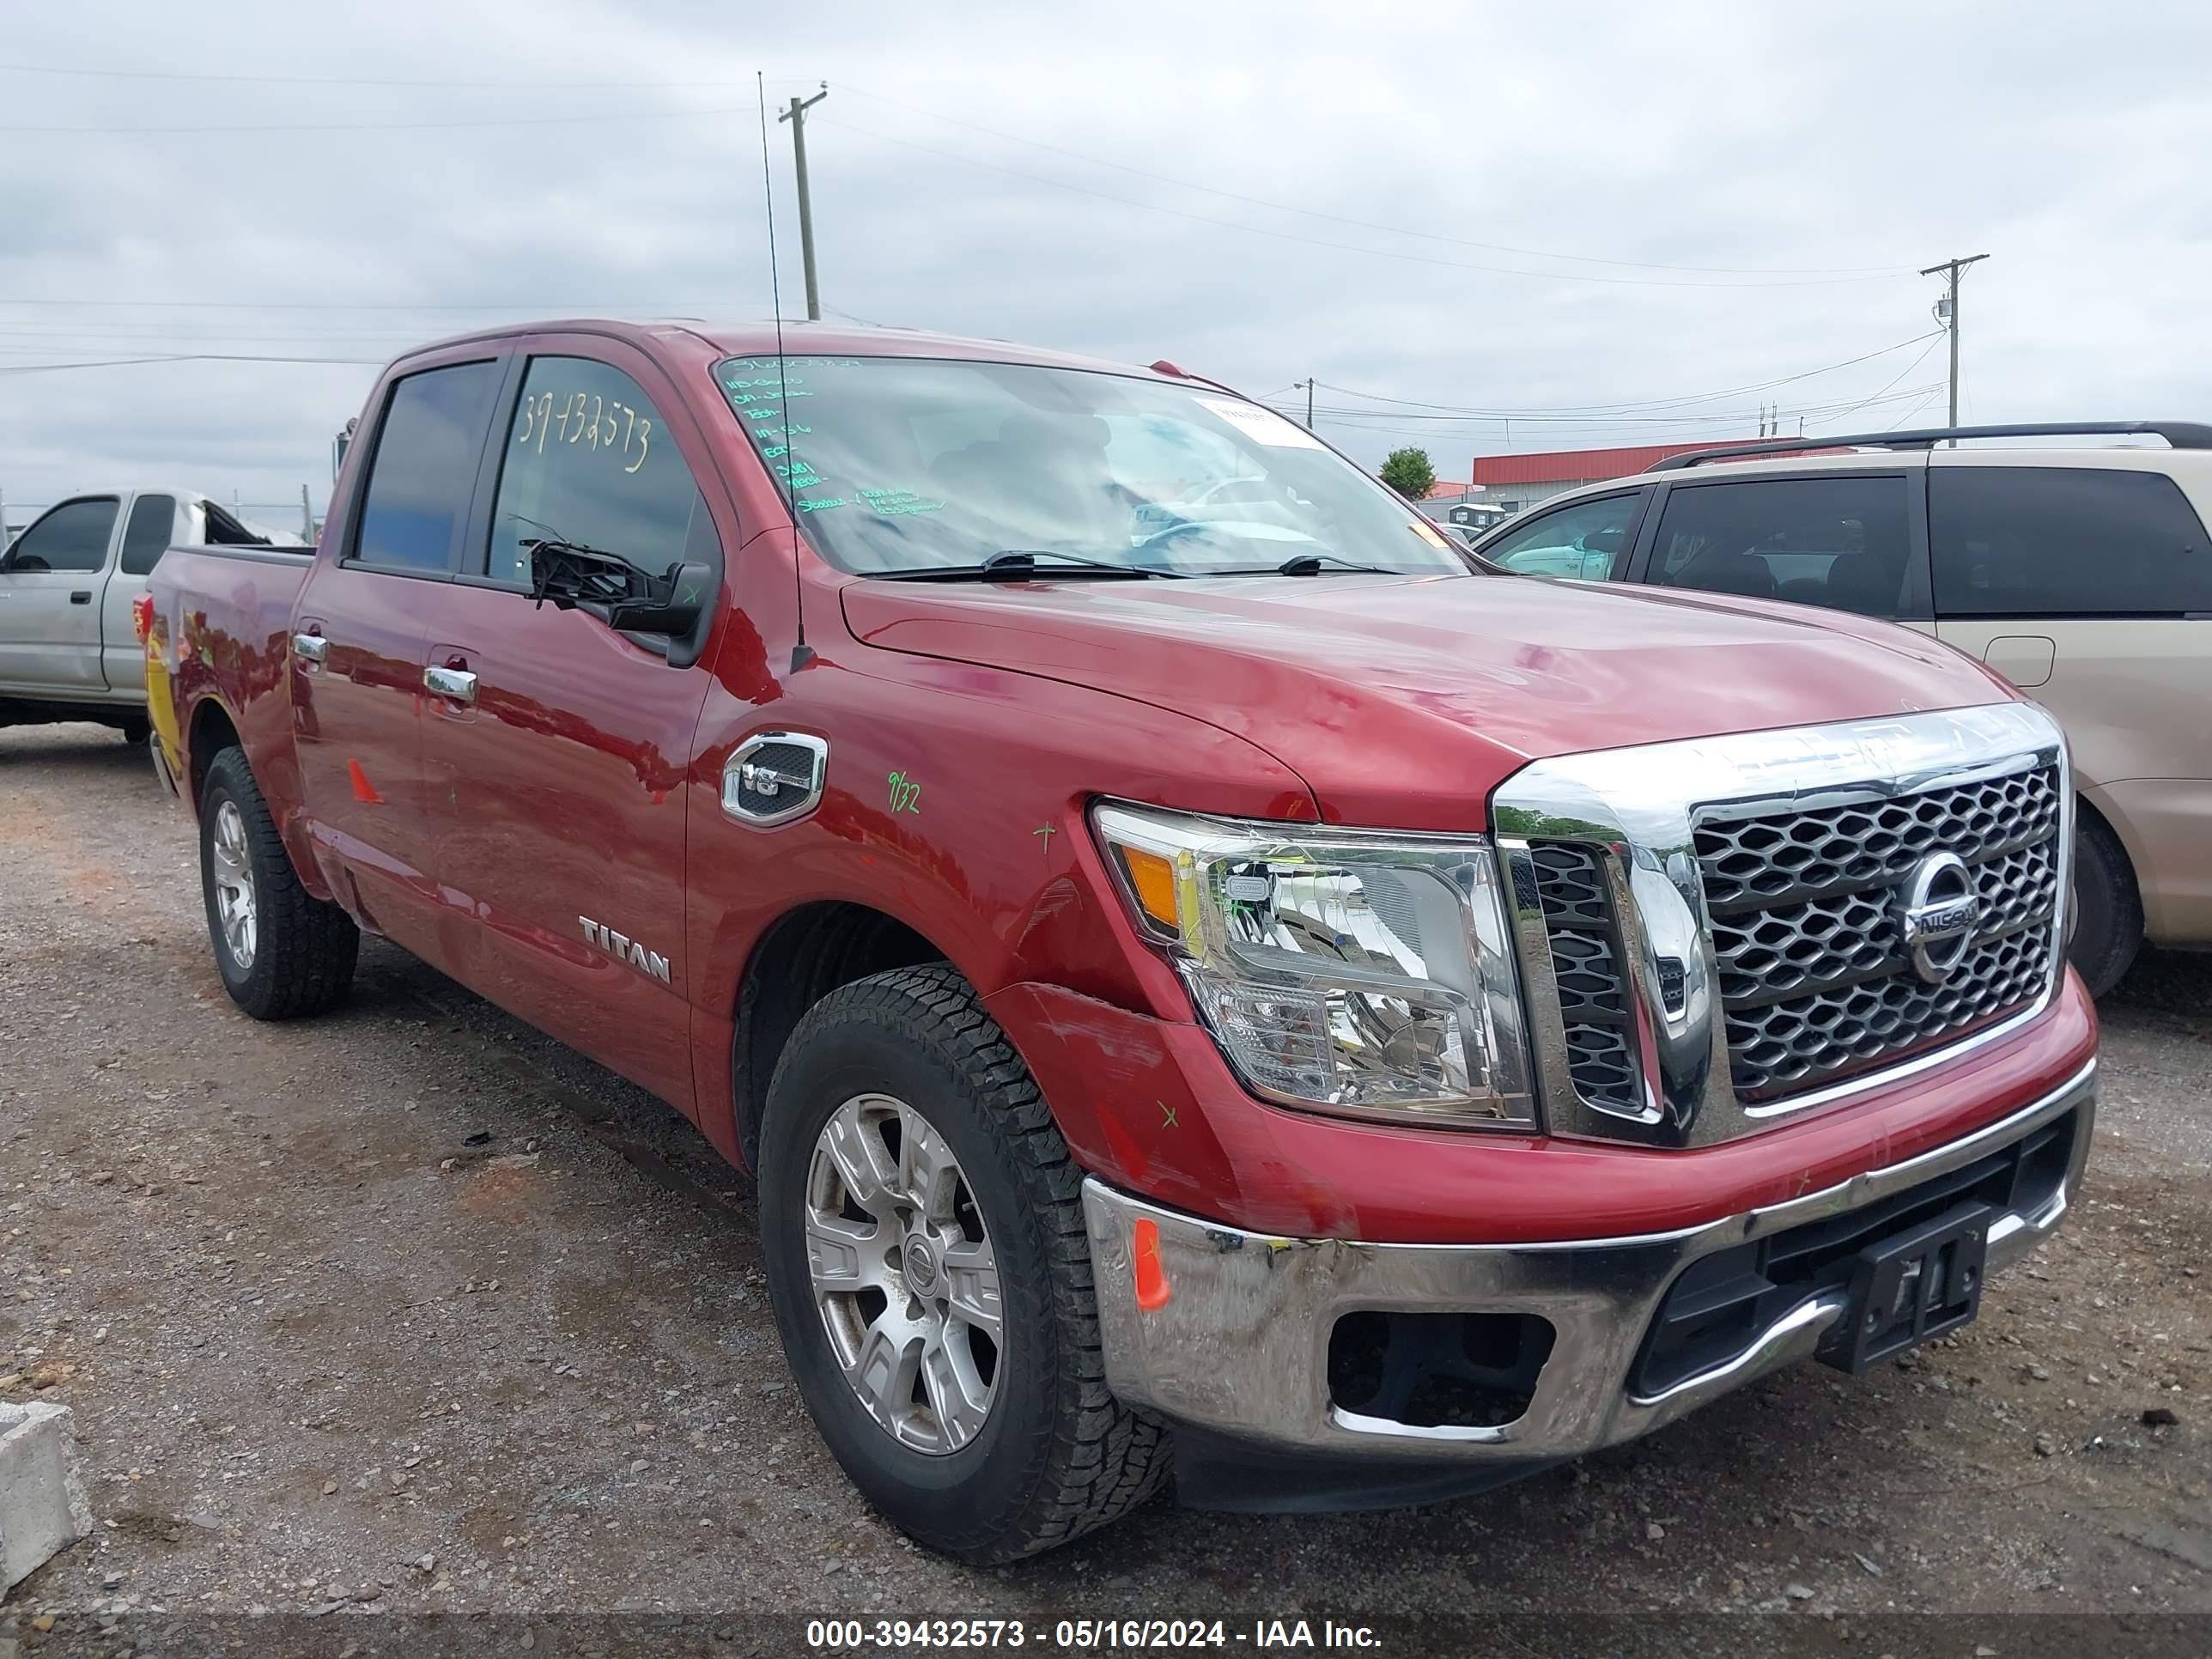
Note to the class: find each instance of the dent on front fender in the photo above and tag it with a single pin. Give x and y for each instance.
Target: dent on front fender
(1138, 1100)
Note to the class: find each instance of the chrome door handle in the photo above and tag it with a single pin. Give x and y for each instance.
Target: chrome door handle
(309, 648)
(455, 683)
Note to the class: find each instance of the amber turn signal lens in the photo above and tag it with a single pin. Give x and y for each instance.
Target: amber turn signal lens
(1152, 878)
(1152, 1291)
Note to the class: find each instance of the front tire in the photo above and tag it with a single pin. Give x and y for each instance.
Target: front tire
(2108, 919)
(283, 951)
(921, 1224)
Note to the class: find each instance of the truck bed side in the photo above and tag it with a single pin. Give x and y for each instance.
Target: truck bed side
(217, 663)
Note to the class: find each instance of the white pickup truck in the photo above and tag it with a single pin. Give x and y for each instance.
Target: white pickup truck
(68, 649)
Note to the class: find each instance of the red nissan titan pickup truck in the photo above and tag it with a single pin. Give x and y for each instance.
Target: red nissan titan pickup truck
(1203, 973)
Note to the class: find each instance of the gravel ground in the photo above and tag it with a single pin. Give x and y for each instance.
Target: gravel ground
(411, 1309)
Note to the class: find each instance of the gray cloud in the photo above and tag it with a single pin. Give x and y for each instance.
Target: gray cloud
(2064, 142)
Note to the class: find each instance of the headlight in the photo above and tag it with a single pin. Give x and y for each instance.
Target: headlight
(1348, 970)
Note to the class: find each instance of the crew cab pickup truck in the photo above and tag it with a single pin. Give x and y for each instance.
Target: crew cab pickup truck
(67, 648)
(1238, 988)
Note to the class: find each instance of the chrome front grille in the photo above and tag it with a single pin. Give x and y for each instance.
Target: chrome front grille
(1814, 979)
(1716, 932)
(1586, 964)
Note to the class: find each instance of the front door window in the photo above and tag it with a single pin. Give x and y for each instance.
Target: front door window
(73, 537)
(1587, 541)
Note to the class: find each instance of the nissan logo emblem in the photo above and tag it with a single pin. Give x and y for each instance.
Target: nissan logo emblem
(1936, 910)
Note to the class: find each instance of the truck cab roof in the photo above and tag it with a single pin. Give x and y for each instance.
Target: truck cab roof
(763, 338)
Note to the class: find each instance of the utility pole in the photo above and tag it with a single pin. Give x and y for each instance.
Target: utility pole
(1308, 384)
(1947, 312)
(796, 116)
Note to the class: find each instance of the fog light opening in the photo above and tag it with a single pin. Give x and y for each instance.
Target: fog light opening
(1437, 1371)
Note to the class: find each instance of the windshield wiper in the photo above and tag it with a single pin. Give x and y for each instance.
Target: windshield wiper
(1018, 564)
(1306, 564)
(1310, 564)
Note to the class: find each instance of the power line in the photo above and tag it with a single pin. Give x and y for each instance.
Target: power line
(337, 80)
(187, 357)
(392, 126)
(1656, 418)
(362, 305)
(1881, 395)
(1575, 427)
(111, 362)
(1635, 404)
(1315, 241)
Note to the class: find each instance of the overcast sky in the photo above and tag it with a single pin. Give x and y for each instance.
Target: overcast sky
(1589, 216)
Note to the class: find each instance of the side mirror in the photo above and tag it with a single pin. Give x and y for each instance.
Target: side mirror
(670, 604)
(568, 575)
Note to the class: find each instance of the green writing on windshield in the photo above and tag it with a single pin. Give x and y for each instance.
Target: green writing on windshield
(891, 501)
(770, 365)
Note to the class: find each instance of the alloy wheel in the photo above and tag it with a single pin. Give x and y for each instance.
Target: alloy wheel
(904, 1274)
(236, 909)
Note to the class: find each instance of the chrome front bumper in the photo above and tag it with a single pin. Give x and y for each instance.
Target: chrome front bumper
(1234, 1335)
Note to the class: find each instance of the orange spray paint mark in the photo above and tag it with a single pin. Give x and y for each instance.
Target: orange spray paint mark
(363, 790)
(1152, 1291)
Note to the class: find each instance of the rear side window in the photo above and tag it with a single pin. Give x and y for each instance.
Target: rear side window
(1841, 542)
(588, 460)
(2065, 541)
(73, 537)
(146, 535)
(223, 530)
(425, 466)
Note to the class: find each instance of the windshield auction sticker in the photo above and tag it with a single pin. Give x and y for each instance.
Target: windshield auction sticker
(1261, 425)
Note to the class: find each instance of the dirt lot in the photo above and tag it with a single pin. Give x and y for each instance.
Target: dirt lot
(410, 1310)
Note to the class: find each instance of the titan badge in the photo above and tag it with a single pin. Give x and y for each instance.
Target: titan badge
(622, 948)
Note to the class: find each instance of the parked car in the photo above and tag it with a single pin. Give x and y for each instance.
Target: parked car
(1476, 517)
(68, 649)
(2083, 575)
(1305, 1009)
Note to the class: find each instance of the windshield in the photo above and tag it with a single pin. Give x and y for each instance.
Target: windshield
(907, 463)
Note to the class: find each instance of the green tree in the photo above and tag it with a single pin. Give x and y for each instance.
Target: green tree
(1408, 472)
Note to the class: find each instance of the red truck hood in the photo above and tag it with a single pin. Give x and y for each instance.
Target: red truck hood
(1404, 701)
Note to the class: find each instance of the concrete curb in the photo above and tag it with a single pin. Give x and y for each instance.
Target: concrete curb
(42, 1503)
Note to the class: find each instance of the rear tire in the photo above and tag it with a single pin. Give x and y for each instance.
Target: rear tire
(910, 1058)
(136, 732)
(2108, 917)
(283, 951)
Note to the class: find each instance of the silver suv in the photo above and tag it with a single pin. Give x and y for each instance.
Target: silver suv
(2081, 575)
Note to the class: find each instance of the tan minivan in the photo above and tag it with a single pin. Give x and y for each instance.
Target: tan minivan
(2082, 574)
